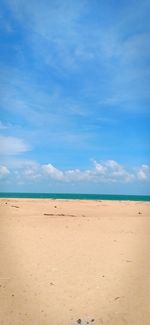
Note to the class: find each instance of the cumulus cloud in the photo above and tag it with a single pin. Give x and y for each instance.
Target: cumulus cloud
(4, 171)
(143, 173)
(110, 170)
(53, 172)
(104, 171)
(31, 174)
(12, 145)
(107, 171)
(77, 175)
(100, 169)
(26, 169)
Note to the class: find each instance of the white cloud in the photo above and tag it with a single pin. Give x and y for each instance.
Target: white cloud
(143, 173)
(12, 145)
(71, 175)
(100, 169)
(108, 171)
(26, 169)
(53, 172)
(32, 174)
(4, 171)
(77, 175)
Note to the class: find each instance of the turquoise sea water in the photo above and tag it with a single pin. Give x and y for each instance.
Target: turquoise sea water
(77, 196)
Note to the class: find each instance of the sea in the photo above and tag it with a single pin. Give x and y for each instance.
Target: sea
(68, 196)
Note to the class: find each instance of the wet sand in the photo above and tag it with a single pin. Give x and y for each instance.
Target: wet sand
(74, 262)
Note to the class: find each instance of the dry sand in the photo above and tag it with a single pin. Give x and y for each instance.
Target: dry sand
(70, 262)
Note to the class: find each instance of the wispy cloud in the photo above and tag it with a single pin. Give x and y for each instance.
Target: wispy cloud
(52, 27)
(112, 54)
(12, 145)
(74, 81)
(59, 36)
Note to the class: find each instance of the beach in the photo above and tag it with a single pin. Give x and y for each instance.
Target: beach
(67, 262)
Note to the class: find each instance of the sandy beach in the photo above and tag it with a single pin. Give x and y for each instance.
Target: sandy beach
(74, 262)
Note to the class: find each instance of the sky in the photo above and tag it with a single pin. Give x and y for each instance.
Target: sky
(75, 97)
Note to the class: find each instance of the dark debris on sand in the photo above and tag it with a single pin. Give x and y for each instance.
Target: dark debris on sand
(79, 321)
(15, 206)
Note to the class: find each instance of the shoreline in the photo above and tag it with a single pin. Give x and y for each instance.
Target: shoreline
(123, 199)
(72, 200)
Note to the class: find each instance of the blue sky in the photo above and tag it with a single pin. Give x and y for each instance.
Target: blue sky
(74, 80)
